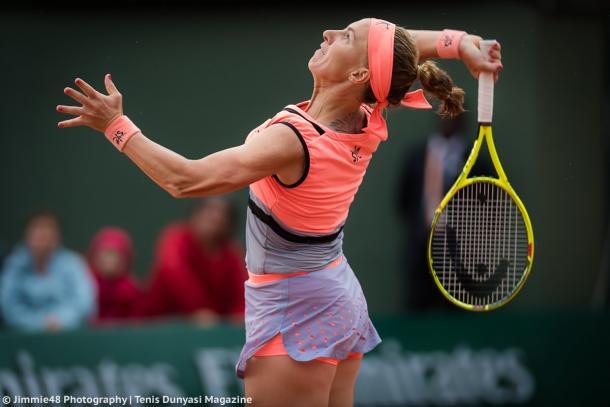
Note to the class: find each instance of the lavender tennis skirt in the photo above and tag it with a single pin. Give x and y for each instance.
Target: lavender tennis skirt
(319, 314)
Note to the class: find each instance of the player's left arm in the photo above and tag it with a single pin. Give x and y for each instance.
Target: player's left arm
(469, 49)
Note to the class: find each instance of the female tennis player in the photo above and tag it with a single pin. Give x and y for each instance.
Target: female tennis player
(307, 324)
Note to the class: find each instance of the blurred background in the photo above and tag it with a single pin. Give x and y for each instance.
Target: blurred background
(145, 306)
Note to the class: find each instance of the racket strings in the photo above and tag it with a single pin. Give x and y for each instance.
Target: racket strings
(479, 245)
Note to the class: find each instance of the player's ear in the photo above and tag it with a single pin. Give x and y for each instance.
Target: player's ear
(359, 76)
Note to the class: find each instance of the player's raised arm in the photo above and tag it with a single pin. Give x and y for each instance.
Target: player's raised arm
(269, 152)
(458, 44)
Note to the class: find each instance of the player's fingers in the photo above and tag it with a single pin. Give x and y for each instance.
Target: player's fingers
(75, 110)
(86, 88)
(76, 95)
(491, 66)
(77, 121)
(110, 87)
(494, 54)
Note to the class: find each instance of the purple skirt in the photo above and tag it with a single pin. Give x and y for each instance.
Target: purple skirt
(319, 314)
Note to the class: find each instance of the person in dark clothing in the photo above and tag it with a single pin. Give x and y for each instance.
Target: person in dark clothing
(429, 171)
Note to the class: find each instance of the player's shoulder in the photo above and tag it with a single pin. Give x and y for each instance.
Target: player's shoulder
(296, 117)
(293, 111)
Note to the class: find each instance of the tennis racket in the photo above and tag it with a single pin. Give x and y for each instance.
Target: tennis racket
(481, 245)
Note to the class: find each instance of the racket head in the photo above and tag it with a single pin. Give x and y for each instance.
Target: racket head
(481, 245)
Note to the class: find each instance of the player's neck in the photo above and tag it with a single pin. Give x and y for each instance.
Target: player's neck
(337, 107)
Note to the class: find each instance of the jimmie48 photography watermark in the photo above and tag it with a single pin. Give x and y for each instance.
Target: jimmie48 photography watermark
(69, 400)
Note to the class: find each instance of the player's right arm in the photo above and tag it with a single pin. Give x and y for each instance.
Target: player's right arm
(273, 150)
(269, 152)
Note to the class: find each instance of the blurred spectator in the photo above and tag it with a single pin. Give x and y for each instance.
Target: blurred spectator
(110, 259)
(44, 286)
(429, 170)
(199, 270)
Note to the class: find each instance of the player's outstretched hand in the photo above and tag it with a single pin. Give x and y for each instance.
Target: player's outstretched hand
(477, 62)
(97, 110)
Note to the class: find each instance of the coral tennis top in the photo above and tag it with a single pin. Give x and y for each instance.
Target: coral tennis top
(299, 227)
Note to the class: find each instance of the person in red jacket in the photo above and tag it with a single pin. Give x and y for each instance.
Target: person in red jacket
(110, 259)
(199, 271)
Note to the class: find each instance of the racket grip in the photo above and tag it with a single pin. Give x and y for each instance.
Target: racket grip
(486, 86)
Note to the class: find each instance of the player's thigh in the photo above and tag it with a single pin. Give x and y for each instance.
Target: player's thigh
(342, 388)
(282, 381)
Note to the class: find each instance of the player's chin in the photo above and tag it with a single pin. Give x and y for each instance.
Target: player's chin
(318, 59)
(313, 66)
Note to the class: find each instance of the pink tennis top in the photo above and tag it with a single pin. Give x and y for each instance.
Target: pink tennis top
(320, 201)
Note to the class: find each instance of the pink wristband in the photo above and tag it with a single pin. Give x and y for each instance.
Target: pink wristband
(119, 131)
(448, 44)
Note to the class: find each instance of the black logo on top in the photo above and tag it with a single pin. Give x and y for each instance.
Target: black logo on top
(356, 154)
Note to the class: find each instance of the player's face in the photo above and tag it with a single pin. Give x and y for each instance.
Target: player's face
(341, 53)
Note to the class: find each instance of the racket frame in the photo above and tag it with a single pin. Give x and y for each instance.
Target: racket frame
(485, 134)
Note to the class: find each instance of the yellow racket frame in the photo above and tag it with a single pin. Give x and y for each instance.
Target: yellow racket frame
(462, 181)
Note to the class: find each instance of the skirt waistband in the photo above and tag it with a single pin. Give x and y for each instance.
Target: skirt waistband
(265, 278)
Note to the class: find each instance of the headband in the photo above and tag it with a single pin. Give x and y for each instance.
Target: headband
(381, 59)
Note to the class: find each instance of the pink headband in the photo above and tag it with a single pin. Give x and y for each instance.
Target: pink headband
(381, 59)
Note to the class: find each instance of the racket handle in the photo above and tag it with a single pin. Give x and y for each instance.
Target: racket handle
(486, 86)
